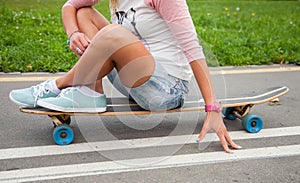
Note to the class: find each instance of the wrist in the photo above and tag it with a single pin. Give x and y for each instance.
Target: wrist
(216, 106)
(69, 37)
(72, 33)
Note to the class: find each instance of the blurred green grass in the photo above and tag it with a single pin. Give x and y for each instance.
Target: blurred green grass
(249, 32)
(234, 32)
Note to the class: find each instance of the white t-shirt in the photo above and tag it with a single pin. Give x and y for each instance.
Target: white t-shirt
(164, 26)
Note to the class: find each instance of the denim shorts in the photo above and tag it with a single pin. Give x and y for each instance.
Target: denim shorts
(161, 92)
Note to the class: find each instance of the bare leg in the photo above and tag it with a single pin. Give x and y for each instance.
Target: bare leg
(113, 46)
(90, 21)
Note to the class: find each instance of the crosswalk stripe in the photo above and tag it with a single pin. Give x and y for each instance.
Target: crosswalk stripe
(36, 151)
(98, 168)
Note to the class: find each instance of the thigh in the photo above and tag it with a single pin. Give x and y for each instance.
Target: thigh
(114, 47)
(161, 92)
(131, 59)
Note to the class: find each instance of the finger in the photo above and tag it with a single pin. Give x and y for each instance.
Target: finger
(78, 44)
(87, 39)
(83, 43)
(73, 46)
(79, 51)
(202, 134)
(76, 47)
(224, 143)
(230, 142)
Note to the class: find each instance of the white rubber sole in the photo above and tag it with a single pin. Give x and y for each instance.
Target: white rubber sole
(71, 109)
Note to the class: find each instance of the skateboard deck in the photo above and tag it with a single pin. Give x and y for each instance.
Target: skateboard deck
(232, 108)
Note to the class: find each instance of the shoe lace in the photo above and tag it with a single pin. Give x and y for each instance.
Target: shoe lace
(39, 91)
(66, 91)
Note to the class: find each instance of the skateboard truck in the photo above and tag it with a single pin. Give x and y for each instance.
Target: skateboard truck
(251, 123)
(242, 111)
(60, 119)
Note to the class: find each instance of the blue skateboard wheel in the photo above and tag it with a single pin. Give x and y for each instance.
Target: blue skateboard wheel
(63, 135)
(252, 123)
(227, 112)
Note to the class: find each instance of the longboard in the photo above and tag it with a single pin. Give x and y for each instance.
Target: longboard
(232, 108)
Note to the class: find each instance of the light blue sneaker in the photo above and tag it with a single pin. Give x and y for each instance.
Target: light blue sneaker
(28, 97)
(72, 99)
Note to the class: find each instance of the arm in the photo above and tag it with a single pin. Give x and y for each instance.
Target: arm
(69, 19)
(69, 11)
(213, 119)
(176, 13)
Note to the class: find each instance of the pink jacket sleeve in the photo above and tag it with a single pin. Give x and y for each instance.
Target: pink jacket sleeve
(81, 3)
(177, 15)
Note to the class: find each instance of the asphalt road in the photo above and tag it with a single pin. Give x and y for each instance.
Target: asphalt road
(156, 148)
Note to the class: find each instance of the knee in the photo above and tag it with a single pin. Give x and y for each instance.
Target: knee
(115, 33)
(110, 31)
(83, 13)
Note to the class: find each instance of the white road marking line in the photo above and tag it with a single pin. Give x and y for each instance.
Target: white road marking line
(25, 152)
(254, 70)
(98, 168)
(213, 72)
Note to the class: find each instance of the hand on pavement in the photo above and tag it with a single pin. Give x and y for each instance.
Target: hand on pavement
(214, 121)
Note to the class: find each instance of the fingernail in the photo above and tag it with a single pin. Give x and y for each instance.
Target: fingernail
(229, 151)
(239, 147)
(197, 140)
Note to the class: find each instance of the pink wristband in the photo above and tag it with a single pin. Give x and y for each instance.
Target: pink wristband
(216, 106)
